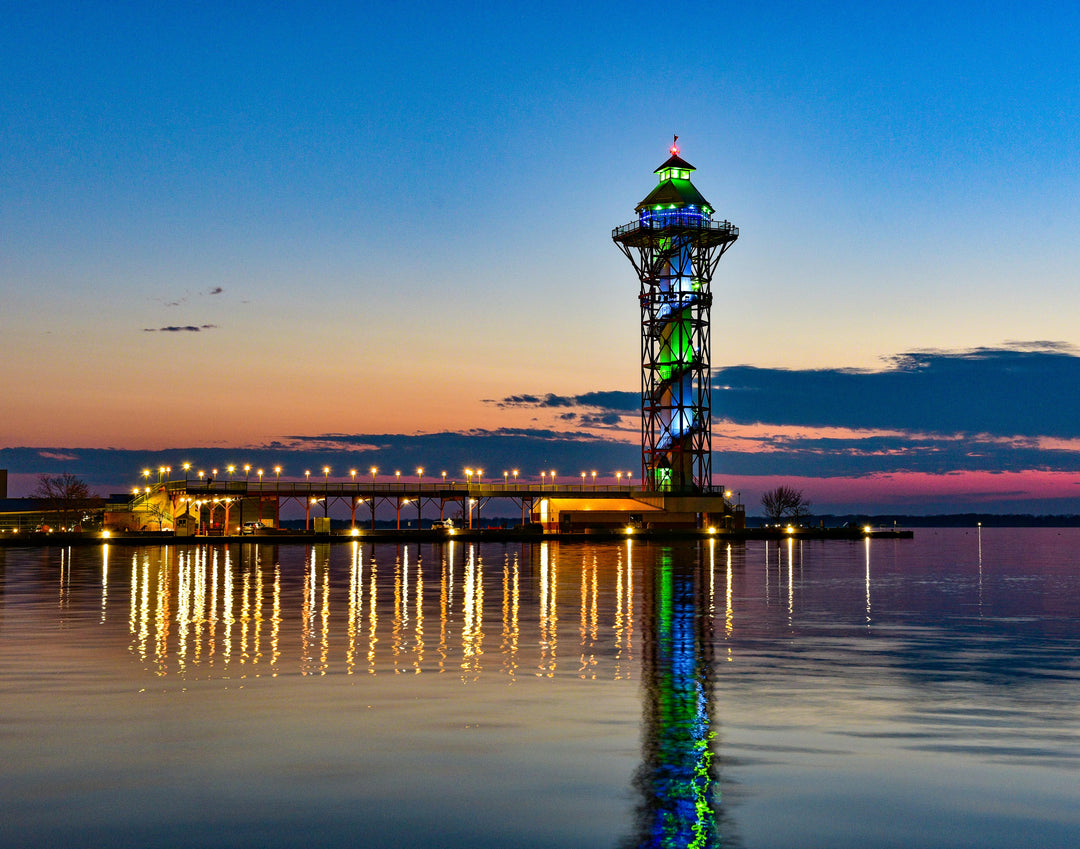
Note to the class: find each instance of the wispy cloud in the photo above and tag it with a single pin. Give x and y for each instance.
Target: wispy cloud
(608, 400)
(58, 455)
(180, 328)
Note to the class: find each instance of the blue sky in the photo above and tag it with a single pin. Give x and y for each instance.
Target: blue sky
(363, 219)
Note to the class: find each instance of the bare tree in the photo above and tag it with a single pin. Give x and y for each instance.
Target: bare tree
(800, 508)
(66, 496)
(785, 501)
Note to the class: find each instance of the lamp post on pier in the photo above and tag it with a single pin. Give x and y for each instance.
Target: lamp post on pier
(260, 474)
(374, 469)
(419, 494)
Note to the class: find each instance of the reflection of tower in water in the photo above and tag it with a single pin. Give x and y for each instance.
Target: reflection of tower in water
(679, 803)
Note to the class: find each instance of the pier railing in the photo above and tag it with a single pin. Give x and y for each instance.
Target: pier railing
(361, 488)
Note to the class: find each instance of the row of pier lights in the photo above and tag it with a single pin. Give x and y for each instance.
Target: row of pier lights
(546, 476)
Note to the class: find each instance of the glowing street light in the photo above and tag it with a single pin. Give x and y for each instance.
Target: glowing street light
(373, 471)
(468, 475)
(187, 468)
(479, 476)
(583, 481)
(277, 475)
(594, 479)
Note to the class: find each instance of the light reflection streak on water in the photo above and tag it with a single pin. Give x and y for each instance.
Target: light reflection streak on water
(867, 547)
(133, 612)
(712, 577)
(104, 579)
(404, 588)
(373, 615)
(980, 572)
(356, 600)
(259, 590)
(275, 643)
(444, 603)
(418, 595)
(324, 616)
(548, 610)
(790, 580)
(65, 576)
(472, 631)
(619, 622)
(214, 587)
(511, 626)
(144, 609)
(163, 619)
(623, 624)
(589, 627)
(307, 614)
(183, 604)
(396, 622)
(199, 606)
(729, 611)
(245, 612)
(628, 605)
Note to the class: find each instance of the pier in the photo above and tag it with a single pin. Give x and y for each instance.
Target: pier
(224, 507)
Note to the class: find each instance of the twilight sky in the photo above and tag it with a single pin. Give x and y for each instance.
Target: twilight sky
(380, 233)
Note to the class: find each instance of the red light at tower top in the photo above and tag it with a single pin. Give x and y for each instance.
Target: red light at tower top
(674, 146)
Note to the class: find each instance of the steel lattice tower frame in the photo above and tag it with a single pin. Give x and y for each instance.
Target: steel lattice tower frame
(675, 246)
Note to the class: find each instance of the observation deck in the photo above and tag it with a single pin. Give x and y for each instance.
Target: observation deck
(647, 228)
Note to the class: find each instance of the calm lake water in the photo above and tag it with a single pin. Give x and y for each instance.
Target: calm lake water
(887, 693)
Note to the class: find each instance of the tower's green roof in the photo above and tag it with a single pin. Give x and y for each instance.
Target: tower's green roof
(678, 192)
(676, 161)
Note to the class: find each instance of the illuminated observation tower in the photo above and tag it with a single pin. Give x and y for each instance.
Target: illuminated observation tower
(675, 247)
